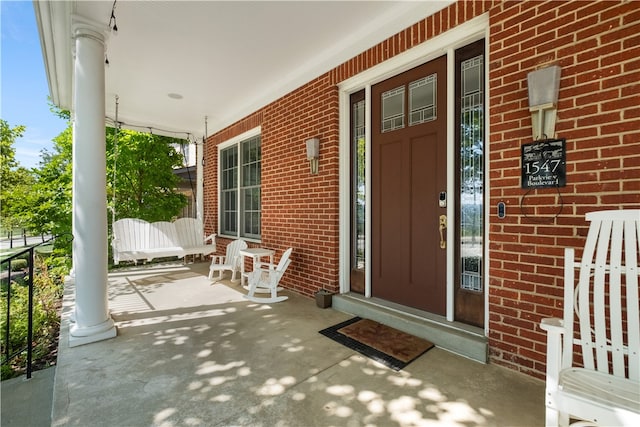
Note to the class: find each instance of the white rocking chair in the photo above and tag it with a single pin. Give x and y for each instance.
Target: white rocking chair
(229, 262)
(265, 278)
(604, 389)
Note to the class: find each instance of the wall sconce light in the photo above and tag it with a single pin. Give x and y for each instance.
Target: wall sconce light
(544, 85)
(313, 152)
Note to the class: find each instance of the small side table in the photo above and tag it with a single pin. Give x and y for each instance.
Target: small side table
(256, 254)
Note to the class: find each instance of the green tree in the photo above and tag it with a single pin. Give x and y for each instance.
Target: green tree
(7, 152)
(49, 201)
(140, 175)
(15, 179)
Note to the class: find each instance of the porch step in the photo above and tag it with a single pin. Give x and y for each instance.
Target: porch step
(459, 338)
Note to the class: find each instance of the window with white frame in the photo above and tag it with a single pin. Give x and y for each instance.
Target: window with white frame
(240, 179)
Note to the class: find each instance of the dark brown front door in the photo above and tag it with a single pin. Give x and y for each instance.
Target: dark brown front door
(409, 171)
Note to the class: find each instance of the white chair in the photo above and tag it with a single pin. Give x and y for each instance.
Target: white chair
(602, 387)
(231, 261)
(265, 279)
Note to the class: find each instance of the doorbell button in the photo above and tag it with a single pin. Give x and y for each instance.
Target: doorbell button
(502, 210)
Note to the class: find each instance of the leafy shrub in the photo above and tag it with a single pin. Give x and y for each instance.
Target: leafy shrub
(48, 288)
(19, 264)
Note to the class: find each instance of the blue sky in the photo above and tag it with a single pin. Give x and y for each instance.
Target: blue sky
(24, 89)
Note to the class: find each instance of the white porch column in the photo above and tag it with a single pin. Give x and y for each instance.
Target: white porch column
(92, 319)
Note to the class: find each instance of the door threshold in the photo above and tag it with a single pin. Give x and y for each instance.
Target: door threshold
(460, 338)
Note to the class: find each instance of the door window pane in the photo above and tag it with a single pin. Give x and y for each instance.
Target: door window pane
(393, 109)
(422, 100)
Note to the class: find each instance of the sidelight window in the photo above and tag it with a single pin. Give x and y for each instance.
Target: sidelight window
(471, 178)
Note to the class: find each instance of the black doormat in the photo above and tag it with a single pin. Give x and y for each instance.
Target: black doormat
(391, 347)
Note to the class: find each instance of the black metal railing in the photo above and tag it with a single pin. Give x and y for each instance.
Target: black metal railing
(9, 279)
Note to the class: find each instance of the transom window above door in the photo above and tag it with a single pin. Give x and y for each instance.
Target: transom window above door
(422, 106)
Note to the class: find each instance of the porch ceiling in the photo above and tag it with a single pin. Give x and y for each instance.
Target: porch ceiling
(224, 59)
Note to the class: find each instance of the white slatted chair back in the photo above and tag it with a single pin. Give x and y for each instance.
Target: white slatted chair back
(130, 234)
(232, 256)
(162, 234)
(191, 231)
(606, 296)
(283, 264)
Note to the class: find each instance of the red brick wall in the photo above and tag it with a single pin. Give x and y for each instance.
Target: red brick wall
(595, 43)
(298, 209)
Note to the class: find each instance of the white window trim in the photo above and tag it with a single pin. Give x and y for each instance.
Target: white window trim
(257, 131)
(239, 138)
(443, 44)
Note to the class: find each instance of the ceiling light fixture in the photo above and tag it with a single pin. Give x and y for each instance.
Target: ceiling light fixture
(175, 96)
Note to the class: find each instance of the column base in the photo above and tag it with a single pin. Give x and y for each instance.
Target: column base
(80, 336)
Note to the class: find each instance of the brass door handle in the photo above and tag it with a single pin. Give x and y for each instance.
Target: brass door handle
(443, 226)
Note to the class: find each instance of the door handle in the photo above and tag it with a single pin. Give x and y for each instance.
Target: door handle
(443, 226)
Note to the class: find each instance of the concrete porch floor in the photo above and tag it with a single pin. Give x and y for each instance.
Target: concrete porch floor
(192, 353)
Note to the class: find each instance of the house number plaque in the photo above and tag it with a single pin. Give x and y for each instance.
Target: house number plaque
(544, 164)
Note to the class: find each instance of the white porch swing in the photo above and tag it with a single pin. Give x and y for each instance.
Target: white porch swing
(135, 239)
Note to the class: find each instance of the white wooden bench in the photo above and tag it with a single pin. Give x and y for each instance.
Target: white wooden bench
(602, 320)
(136, 239)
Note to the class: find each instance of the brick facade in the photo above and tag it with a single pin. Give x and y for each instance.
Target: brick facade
(597, 44)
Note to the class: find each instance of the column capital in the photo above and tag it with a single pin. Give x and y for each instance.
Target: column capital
(85, 27)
